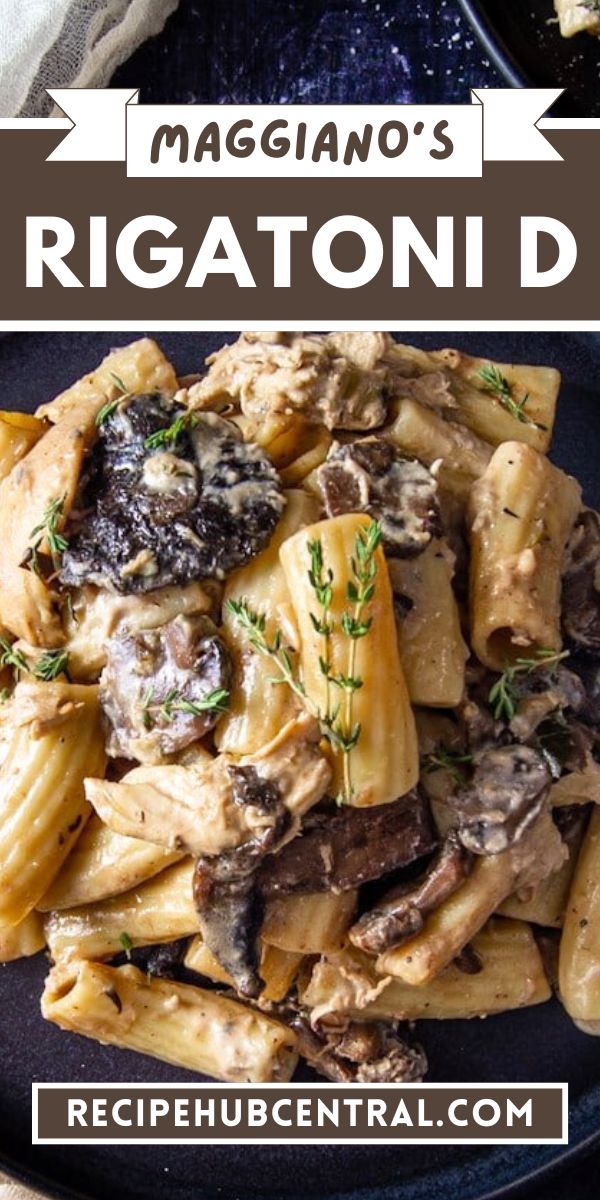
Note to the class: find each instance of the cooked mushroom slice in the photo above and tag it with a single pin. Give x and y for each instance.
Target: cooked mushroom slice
(581, 585)
(588, 671)
(371, 476)
(542, 693)
(364, 1052)
(475, 716)
(506, 793)
(168, 499)
(228, 901)
(401, 912)
(342, 848)
(164, 688)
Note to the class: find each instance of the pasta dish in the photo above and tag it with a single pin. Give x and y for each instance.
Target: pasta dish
(299, 708)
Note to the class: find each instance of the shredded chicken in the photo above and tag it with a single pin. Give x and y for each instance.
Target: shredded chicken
(194, 809)
(335, 379)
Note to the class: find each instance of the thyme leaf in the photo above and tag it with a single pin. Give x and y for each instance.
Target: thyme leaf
(50, 664)
(447, 760)
(497, 384)
(126, 943)
(164, 710)
(169, 436)
(48, 531)
(504, 695)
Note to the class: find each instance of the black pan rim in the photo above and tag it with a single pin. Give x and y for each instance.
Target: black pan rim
(495, 46)
(570, 1154)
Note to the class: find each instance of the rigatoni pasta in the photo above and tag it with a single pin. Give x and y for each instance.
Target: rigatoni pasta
(521, 513)
(298, 666)
(184, 1025)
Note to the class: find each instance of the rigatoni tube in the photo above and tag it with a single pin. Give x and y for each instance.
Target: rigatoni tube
(383, 764)
(42, 801)
(258, 710)
(180, 1024)
(520, 515)
(579, 959)
(161, 910)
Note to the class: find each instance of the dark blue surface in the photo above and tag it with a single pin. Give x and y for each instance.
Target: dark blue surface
(534, 1044)
(311, 51)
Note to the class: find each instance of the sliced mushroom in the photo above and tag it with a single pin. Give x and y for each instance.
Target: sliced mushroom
(371, 476)
(581, 585)
(363, 1052)
(342, 848)
(543, 693)
(401, 912)
(228, 901)
(157, 684)
(153, 514)
(506, 794)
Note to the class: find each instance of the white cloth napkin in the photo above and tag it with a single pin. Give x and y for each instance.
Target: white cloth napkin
(68, 43)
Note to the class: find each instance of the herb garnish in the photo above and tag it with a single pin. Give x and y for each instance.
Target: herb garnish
(336, 722)
(216, 701)
(448, 760)
(504, 695)
(50, 664)
(12, 658)
(126, 943)
(108, 409)
(47, 531)
(591, 6)
(168, 436)
(497, 384)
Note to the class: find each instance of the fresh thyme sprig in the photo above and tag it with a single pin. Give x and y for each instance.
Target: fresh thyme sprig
(447, 760)
(164, 710)
(497, 384)
(47, 531)
(50, 664)
(254, 625)
(505, 694)
(337, 726)
(169, 435)
(108, 409)
(12, 658)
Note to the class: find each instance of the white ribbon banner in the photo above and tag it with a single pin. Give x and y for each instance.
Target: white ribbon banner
(305, 141)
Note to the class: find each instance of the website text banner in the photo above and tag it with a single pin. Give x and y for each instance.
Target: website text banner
(82, 241)
(300, 1113)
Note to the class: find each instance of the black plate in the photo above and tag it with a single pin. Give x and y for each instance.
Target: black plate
(525, 44)
(532, 1045)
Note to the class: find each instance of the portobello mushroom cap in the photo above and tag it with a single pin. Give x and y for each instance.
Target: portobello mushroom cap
(372, 476)
(228, 901)
(340, 849)
(192, 507)
(581, 585)
(401, 912)
(155, 684)
(506, 794)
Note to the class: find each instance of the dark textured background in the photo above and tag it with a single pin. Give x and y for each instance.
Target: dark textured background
(310, 51)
